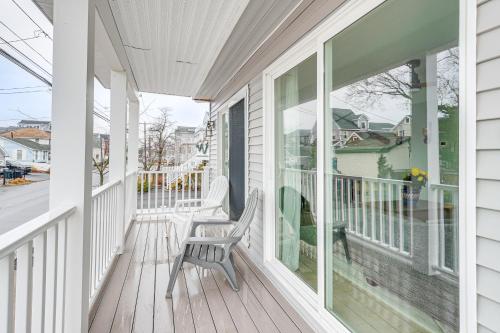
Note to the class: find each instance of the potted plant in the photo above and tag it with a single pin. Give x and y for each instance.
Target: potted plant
(411, 192)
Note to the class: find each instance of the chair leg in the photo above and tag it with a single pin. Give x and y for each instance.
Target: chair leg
(230, 274)
(173, 275)
(343, 238)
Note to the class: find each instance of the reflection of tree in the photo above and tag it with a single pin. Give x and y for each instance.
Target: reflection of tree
(394, 82)
(397, 82)
(384, 168)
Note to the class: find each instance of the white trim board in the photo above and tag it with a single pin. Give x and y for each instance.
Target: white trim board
(311, 305)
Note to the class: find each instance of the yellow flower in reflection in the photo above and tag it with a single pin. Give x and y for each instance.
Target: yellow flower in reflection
(414, 172)
(420, 178)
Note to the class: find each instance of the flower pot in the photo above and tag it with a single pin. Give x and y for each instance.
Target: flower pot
(411, 195)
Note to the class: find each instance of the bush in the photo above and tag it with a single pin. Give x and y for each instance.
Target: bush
(145, 185)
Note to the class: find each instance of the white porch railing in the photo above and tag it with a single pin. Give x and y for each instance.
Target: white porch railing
(130, 198)
(159, 190)
(104, 227)
(32, 274)
(446, 215)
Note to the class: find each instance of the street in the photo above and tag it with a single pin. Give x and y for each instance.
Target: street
(19, 204)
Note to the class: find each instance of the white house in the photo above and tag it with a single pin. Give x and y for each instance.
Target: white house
(25, 151)
(415, 251)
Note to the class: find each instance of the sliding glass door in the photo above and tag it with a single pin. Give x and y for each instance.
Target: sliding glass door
(391, 169)
(295, 172)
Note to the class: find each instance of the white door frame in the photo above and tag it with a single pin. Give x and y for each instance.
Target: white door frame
(243, 93)
(311, 304)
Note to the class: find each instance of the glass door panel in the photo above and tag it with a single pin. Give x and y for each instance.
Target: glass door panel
(295, 121)
(391, 164)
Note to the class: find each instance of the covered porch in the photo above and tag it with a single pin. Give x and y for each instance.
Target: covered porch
(99, 260)
(133, 299)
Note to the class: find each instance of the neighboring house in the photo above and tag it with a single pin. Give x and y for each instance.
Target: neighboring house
(25, 150)
(403, 128)
(346, 122)
(42, 125)
(185, 143)
(360, 154)
(30, 133)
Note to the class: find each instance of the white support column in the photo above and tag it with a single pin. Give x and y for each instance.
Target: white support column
(71, 165)
(133, 145)
(118, 145)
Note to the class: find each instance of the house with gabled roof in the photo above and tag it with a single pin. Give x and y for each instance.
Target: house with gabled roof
(24, 150)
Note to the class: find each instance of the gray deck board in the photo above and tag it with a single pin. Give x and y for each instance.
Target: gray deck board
(202, 300)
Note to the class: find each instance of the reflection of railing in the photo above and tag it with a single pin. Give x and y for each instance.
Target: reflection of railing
(373, 209)
(303, 180)
(159, 190)
(446, 216)
(377, 211)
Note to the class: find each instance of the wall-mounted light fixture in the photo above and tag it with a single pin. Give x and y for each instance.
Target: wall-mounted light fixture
(210, 128)
(415, 80)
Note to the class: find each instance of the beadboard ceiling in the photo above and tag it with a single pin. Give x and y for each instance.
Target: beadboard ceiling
(171, 46)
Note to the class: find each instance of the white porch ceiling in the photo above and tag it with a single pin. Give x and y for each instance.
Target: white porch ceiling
(172, 44)
(181, 47)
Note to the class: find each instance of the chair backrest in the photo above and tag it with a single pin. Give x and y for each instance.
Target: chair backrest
(217, 192)
(247, 215)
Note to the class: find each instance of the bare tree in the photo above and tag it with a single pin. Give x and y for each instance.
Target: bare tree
(161, 136)
(101, 167)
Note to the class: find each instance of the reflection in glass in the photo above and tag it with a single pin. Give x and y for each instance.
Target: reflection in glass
(295, 107)
(391, 164)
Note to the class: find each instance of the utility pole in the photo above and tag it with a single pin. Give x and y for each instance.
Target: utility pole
(144, 150)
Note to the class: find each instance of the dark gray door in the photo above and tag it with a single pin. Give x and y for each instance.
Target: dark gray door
(236, 159)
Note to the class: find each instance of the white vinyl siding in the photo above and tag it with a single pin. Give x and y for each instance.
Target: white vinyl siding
(213, 145)
(254, 247)
(255, 162)
(488, 159)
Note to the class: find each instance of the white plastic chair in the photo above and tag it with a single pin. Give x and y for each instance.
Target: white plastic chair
(186, 210)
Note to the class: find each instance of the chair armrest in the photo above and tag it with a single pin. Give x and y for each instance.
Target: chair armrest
(183, 202)
(201, 209)
(206, 221)
(211, 240)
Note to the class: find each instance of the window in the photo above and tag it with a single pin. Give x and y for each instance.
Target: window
(19, 155)
(295, 172)
(391, 215)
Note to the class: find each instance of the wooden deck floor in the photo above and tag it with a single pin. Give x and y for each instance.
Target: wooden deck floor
(134, 298)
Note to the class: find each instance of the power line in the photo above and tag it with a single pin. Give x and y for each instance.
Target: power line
(18, 88)
(26, 57)
(28, 45)
(31, 19)
(22, 39)
(23, 92)
(25, 67)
